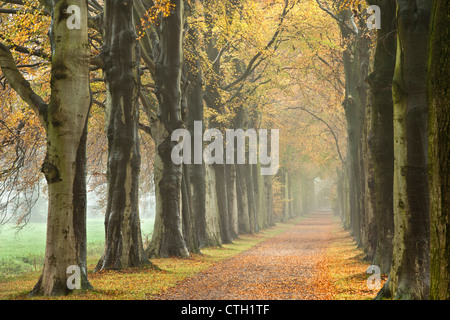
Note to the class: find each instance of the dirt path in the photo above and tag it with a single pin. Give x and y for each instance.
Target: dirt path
(287, 266)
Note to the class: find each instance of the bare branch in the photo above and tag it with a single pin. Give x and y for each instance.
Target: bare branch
(328, 126)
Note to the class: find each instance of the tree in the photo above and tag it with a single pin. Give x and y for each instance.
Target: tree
(439, 150)
(356, 56)
(123, 243)
(195, 173)
(409, 277)
(168, 237)
(65, 123)
(381, 143)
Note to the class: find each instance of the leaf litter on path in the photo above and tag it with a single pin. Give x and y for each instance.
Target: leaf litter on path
(291, 265)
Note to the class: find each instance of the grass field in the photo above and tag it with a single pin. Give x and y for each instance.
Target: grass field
(23, 250)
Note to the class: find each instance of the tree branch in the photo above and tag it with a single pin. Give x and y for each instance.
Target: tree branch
(19, 2)
(250, 68)
(25, 50)
(20, 84)
(328, 126)
(9, 11)
(340, 21)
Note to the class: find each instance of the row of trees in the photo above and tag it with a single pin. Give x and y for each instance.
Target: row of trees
(312, 69)
(393, 191)
(150, 68)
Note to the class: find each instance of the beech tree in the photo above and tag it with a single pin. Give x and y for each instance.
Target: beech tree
(366, 109)
(350, 17)
(195, 179)
(381, 146)
(167, 46)
(409, 277)
(121, 61)
(65, 121)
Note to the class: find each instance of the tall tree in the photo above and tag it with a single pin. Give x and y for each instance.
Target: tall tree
(123, 243)
(65, 120)
(215, 101)
(381, 145)
(356, 56)
(168, 237)
(194, 182)
(439, 149)
(409, 277)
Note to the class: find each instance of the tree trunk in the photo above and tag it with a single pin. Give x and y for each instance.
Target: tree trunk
(409, 275)
(123, 240)
(285, 188)
(261, 208)
(214, 101)
(356, 63)
(187, 213)
(222, 202)
(242, 201)
(64, 165)
(194, 96)
(381, 144)
(168, 237)
(230, 172)
(213, 235)
(297, 194)
(247, 169)
(80, 206)
(368, 230)
(439, 150)
(268, 196)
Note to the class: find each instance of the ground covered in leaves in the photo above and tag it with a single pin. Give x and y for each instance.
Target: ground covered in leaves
(313, 260)
(306, 258)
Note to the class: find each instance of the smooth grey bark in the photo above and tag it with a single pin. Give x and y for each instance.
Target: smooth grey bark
(248, 174)
(368, 221)
(168, 239)
(123, 240)
(187, 213)
(213, 100)
(65, 121)
(230, 173)
(222, 201)
(242, 201)
(194, 96)
(268, 196)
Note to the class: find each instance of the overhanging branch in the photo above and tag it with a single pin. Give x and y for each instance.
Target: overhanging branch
(327, 125)
(250, 66)
(17, 81)
(339, 20)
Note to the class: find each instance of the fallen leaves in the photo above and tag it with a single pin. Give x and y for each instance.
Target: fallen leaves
(283, 267)
(314, 259)
(347, 270)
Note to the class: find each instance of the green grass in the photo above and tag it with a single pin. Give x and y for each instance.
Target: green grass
(23, 250)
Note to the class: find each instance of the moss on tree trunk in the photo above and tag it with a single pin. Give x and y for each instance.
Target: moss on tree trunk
(439, 150)
(409, 275)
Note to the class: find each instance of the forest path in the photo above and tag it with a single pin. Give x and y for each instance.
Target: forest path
(291, 265)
